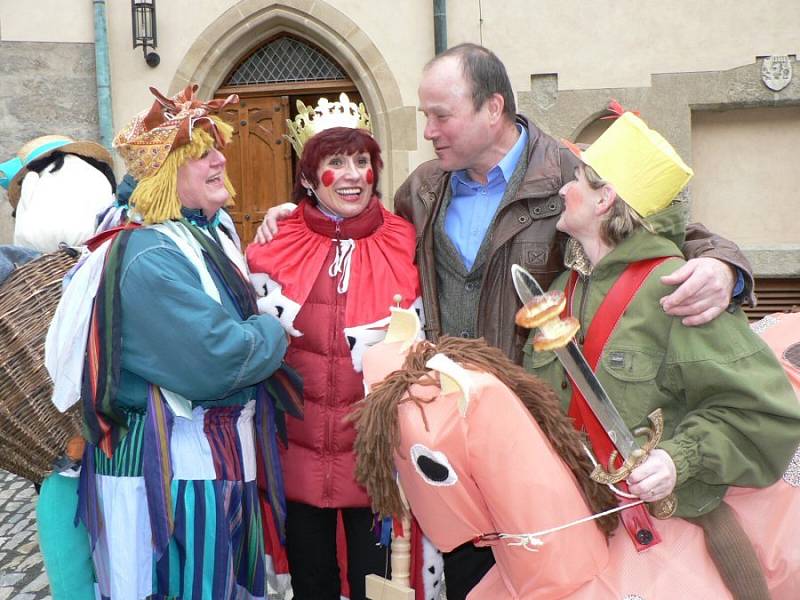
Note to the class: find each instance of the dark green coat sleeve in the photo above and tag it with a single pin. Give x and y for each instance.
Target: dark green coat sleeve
(742, 419)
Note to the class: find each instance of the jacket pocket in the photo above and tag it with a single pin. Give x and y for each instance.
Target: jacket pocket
(629, 377)
(535, 255)
(631, 366)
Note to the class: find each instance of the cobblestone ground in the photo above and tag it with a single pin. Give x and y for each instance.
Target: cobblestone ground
(22, 574)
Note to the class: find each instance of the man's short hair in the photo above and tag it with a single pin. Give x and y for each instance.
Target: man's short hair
(485, 72)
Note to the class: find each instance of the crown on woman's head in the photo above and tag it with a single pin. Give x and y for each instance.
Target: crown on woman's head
(310, 120)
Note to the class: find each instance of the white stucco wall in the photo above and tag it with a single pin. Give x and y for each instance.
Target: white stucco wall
(603, 43)
(589, 44)
(747, 180)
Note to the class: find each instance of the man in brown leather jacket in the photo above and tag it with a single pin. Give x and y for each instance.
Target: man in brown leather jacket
(474, 138)
(468, 102)
(466, 97)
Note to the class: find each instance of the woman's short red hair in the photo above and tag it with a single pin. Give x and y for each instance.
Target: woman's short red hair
(336, 140)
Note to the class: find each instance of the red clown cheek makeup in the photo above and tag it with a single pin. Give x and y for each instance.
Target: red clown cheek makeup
(327, 178)
(369, 177)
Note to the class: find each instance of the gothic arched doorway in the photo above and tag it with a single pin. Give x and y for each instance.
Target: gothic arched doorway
(269, 81)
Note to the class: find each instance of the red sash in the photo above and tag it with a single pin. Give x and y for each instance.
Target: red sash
(637, 520)
(95, 242)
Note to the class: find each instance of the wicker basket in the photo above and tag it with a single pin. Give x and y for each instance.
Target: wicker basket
(33, 433)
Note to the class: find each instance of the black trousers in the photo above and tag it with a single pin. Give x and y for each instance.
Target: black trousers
(464, 567)
(311, 550)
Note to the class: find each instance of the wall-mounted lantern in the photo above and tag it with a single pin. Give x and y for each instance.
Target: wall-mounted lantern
(143, 16)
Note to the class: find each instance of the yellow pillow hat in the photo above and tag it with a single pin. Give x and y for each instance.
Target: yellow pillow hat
(644, 169)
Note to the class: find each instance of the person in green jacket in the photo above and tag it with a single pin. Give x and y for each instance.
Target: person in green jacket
(730, 416)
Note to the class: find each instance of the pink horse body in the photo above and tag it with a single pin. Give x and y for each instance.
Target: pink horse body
(494, 471)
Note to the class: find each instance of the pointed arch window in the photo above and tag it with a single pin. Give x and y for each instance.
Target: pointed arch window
(285, 60)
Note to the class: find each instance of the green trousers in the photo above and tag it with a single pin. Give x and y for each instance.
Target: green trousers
(65, 548)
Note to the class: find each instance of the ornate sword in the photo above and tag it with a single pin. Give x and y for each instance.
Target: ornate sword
(528, 289)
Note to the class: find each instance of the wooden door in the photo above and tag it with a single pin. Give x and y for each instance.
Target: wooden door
(259, 160)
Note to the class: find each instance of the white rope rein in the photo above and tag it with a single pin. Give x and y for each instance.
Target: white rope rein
(532, 541)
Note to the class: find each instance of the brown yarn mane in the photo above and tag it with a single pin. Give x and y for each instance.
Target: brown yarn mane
(378, 429)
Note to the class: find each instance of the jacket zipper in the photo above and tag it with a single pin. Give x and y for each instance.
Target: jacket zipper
(329, 404)
(585, 282)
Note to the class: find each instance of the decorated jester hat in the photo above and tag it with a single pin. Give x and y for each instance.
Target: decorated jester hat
(13, 171)
(644, 169)
(158, 141)
(310, 120)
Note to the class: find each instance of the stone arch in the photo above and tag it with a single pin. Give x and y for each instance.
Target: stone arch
(250, 23)
(591, 128)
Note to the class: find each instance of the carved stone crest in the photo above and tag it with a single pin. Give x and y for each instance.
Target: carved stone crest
(776, 72)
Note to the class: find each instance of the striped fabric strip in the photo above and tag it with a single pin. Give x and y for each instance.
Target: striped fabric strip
(194, 526)
(104, 423)
(238, 288)
(176, 579)
(217, 550)
(223, 561)
(127, 458)
(235, 531)
(286, 389)
(223, 438)
(157, 468)
(267, 448)
(88, 511)
(256, 567)
(209, 519)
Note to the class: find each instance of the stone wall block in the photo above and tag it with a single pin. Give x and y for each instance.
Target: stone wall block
(45, 88)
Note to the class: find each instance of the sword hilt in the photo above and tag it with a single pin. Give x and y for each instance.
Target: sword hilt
(661, 509)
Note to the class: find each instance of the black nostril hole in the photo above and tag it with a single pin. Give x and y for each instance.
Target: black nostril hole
(433, 470)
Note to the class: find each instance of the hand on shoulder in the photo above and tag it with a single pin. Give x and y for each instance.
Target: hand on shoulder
(704, 290)
(269, 226)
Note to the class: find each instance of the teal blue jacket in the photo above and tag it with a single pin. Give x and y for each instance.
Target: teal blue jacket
(176, 336)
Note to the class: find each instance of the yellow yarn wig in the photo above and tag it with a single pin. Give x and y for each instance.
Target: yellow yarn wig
(155, 197)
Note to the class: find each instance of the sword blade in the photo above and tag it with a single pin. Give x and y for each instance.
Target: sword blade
(596, 397)
(581, 373)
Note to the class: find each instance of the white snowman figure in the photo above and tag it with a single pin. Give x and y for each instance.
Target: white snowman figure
(57, 186)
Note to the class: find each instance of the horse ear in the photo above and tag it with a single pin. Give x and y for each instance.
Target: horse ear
(404, 325)
(452, 378)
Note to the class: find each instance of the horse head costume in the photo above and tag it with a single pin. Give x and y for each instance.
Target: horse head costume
(483, 453)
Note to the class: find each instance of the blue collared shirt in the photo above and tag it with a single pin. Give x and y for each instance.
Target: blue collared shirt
(473, 204)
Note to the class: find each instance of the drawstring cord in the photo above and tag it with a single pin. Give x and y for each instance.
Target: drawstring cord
(532, 541)
(341, 262)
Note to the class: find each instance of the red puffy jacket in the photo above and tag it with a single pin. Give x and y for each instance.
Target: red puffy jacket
(319, 465)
